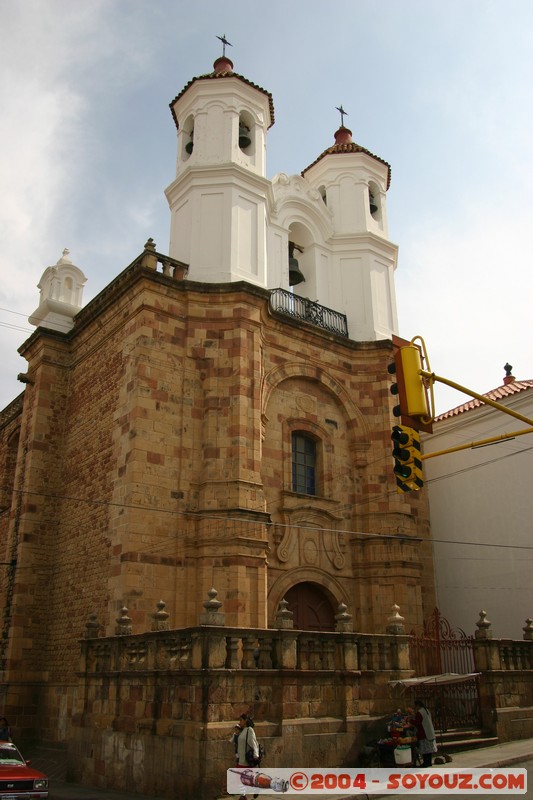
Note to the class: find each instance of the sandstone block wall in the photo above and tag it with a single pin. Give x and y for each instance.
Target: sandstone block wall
(154, 462)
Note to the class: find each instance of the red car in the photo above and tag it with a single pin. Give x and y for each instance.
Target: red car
(18, 781)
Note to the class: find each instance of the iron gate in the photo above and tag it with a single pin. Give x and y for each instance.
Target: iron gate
(439, 649)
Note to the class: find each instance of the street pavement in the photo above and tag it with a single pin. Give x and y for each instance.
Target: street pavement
(500, 755)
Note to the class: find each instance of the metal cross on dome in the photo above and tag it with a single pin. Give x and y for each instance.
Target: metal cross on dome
(224, 43)
(343, 114)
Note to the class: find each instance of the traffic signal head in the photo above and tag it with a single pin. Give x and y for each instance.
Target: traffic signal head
(415, 391)
(407, 461)
(410, 389)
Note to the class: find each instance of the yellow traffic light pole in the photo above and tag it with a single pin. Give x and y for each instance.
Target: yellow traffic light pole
(480, 443)
(431, 378)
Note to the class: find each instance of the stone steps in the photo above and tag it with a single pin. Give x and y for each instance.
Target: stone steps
(459, 740)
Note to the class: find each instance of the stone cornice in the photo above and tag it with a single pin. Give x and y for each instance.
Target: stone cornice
(137, 272)
(12, 410)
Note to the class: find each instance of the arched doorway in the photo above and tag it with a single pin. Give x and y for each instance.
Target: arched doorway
(311, 608)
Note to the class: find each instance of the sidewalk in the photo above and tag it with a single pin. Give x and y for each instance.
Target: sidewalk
(499, 755)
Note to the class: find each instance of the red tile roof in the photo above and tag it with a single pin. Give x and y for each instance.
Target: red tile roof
(350, 147)
(495, 394)
(226, 74)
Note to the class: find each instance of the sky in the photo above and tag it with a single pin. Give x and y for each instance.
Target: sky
(443, 91)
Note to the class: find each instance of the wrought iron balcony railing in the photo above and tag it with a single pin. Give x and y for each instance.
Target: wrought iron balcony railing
(301, 308)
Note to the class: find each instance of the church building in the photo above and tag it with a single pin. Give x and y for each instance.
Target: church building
(216, 421)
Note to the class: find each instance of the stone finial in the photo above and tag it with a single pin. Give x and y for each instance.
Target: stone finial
(212, 604)
(395, 623)
(149, 258)
(284, 617)
(212, 614)
(92, 627)
(509, 377)
(483, 627)
(343, 620)
(124, 627)
(160, 617)
(528, 630)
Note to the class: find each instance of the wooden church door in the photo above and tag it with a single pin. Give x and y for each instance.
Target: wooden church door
(311, 608)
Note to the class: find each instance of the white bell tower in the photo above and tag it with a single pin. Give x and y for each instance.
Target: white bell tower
(218, 201)
(356, 271)
(321, 235)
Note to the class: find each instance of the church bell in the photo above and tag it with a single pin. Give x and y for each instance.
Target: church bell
(295, 276)
(244, 137)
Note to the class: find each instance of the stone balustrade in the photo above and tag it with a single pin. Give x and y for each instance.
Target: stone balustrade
(214, 647)
(502, 654)
(169, 266)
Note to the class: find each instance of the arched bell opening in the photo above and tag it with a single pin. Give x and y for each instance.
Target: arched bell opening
(301, 260)
(312, 607)
(323, 194)
(187, 133)
(295, 274)
(246, 135)
(374, 201)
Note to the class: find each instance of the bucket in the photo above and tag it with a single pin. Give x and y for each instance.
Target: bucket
(402, 754)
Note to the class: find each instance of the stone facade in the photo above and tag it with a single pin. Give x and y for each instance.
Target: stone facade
(154, 462)
(152, 458)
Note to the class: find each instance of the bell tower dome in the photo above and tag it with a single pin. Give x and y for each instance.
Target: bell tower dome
(218, 200)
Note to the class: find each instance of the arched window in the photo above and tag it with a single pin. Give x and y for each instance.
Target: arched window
(304, 463)
(68, 290)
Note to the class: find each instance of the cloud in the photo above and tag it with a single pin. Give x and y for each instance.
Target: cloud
(42, 115)
(42, 129)
(467, 291)
(61, 65)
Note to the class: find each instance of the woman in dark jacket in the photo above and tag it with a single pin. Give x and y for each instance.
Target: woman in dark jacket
(425, 733)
